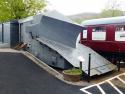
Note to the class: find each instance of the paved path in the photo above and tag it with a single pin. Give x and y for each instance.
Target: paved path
(19, 75)
(114, 85)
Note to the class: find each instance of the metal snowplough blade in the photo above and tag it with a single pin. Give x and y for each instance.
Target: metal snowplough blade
(61, 36)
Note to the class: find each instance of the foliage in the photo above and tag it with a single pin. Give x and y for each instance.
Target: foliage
(79, 20)
(112, 9)
(73, 71)
(17, 9)
(111, 13)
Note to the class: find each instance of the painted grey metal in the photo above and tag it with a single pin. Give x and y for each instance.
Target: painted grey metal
(52, 57)
(37, 18)
(56, 30)
(47, 54)
(24, 36)
(56, 43)
(101, 21)
(0, 32)
(9, 34)
(55, 14)
(99, 65)
(14, 33)
(6, 33)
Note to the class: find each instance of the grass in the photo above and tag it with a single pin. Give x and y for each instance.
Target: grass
(73, 71)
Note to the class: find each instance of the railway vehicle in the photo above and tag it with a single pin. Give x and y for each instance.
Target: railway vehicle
(53, 40)
(106, 36)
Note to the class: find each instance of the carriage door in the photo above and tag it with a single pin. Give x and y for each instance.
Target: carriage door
(82, 36)
(120, 33)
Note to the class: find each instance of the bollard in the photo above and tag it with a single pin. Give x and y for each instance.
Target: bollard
(119, 65)
(119, 61)
(80, 65)
(81, 59)
(89, 67)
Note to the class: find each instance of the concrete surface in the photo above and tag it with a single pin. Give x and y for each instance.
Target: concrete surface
(19, 75)
(52, 71)
(114, 85)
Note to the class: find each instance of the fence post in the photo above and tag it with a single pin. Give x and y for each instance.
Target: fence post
(119, 60)
(80, 64)
(89, 67)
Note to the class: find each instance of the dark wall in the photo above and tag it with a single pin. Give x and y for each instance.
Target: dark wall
(14, 33)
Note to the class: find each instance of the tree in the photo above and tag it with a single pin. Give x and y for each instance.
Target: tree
(17, 9)
(111, 13)
(112, 9)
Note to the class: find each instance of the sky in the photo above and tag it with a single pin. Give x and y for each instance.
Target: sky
(70, 7)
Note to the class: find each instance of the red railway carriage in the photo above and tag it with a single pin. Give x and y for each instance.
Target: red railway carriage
(106, 36)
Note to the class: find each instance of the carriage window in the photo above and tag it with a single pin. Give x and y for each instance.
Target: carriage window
(120, 33)
(99, 33)
(120, 28)
(99, 29)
